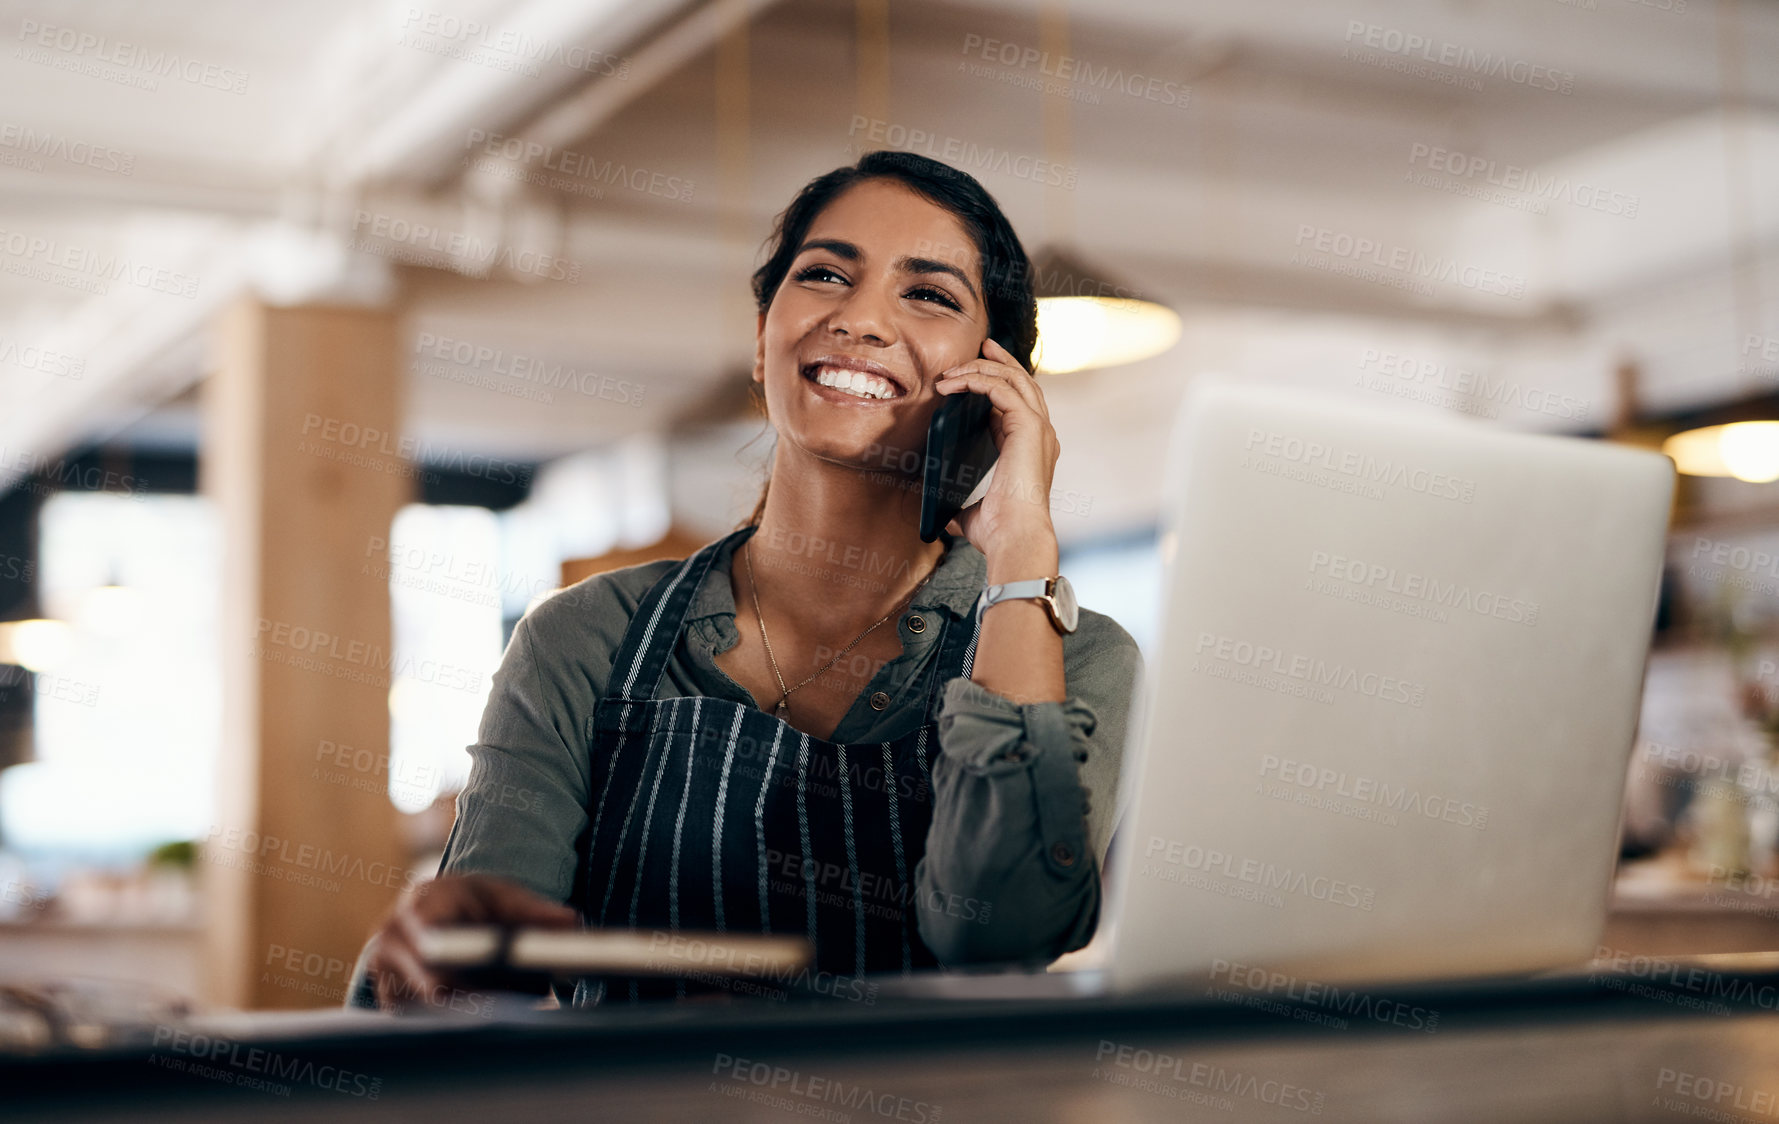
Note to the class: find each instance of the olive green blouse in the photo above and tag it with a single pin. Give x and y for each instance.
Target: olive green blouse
(525, 809)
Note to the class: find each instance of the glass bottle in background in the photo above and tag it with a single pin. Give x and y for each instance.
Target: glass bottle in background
(1721, 828)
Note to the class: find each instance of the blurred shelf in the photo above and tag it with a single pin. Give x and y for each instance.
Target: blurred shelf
(1661, 907)
(165, 955)
(55, 925)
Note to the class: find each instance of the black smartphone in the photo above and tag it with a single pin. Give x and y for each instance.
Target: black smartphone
(960, 450)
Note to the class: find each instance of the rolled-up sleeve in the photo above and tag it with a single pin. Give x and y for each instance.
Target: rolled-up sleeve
(524, 808)
(522, 813)
(1011, 871)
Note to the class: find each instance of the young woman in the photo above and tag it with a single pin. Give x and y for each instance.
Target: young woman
(819, 724)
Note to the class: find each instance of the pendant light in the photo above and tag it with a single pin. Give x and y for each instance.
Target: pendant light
(1086, 320)
(1741, 440)
(1746, 450)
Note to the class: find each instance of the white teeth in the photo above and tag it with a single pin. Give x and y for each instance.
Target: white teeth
(855, 382)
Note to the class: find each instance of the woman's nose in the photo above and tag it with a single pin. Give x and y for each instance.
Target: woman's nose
(865, 314)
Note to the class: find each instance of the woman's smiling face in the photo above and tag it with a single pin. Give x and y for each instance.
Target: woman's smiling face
(884, 295)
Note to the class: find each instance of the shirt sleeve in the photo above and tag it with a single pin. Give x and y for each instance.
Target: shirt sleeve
(522, 813)
(525, 805)
(1011, 871)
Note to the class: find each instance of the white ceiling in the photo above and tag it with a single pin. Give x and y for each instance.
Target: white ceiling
(351, 110)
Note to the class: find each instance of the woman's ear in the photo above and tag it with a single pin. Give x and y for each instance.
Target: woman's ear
(759, 374)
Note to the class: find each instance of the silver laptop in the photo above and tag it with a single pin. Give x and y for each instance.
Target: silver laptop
(1387, 731)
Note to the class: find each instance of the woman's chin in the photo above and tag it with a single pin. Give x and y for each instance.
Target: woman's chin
(866, 449)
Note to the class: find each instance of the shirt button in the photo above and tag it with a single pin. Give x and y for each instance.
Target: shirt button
(879, 700)
(917, 623)
(1063, 854)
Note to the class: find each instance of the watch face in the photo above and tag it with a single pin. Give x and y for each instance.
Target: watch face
(1068, 610)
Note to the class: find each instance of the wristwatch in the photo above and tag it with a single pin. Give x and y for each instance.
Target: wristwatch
(1055, 594)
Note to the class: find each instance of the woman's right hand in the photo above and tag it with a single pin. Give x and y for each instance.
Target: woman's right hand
(402, 979)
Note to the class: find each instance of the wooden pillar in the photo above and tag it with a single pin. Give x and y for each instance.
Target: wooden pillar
(302, 455)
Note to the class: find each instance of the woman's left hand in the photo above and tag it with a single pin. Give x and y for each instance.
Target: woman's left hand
(1013, 518)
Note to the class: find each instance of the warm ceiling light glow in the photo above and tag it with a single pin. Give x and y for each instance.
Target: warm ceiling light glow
(1694, 452)
(36, 645)
(1751, 450)
(1746, 450)
(1075, 333)
(1086, 319)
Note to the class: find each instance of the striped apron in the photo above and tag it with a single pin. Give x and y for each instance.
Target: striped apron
(717, 816)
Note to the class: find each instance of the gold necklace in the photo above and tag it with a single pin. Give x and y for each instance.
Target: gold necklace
(783, 708)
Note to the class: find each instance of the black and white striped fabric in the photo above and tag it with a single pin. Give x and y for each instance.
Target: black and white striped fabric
(711, 815)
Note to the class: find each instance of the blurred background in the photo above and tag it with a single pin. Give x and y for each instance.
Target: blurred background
(334, 335)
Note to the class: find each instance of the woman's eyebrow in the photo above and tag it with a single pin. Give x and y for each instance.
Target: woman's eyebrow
(834, 246)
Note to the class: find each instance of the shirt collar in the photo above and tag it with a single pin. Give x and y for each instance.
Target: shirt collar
(954, 586)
